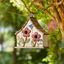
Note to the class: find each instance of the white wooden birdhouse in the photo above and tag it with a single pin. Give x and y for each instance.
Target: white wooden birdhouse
(31, 35)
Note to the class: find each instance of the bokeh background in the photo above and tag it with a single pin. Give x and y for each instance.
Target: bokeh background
(13, 15)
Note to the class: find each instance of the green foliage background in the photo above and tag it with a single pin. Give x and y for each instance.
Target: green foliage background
(14, 15)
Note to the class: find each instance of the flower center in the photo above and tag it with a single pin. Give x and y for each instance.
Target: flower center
(26, 32)
(35, 36)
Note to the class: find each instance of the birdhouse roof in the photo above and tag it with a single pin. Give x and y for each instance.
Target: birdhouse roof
(36, 24)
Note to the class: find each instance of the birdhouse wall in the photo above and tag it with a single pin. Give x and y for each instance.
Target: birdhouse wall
(30, 37)
(45, 41)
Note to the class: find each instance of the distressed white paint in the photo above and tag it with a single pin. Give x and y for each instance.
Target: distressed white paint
(29, 44)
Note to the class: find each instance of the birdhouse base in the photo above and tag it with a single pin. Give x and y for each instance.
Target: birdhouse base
(29, 47)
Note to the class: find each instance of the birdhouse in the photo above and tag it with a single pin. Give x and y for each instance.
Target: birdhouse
(31, 35)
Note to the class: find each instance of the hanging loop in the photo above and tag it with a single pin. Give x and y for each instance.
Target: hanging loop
(31, 15)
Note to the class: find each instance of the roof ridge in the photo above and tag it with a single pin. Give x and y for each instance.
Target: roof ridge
(36, 24)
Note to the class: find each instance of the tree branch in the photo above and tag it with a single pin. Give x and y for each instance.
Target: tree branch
(58, 3)
(26, 7)
(45, 10)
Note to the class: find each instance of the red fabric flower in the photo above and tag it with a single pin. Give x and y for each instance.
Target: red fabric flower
(36, 37)
(26, 32)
